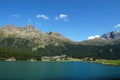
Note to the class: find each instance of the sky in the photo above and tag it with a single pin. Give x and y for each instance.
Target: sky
(75, 19)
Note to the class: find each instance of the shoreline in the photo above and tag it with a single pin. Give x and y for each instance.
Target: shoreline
(100, 61)
(108, 62)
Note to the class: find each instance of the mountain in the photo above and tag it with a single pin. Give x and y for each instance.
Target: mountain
(107, 38)
(24, 41)
(29, 32)
(112, 35)
(27, 42)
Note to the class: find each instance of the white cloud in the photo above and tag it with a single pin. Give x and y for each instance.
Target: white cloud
(62, 16)
(93, 37)
(15, 15)
(117, 26)
(42, 16)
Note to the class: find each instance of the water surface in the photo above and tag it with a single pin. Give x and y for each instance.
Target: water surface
(57, 71)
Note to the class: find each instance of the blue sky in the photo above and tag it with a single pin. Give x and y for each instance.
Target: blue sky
(75, 19)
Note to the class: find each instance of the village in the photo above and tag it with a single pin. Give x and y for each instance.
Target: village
(55, 58)
(64, 58)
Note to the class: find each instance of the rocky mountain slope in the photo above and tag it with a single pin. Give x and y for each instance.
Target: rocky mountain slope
(112, 35)
(31, 34)
(26, 42)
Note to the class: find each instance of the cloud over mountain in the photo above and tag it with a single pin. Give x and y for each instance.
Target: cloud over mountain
(93, 37)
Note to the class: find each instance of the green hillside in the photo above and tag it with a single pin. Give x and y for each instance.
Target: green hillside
(25, 43)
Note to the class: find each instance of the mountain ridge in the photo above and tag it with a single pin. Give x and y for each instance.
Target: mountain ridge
(26, 42)
(111, 35)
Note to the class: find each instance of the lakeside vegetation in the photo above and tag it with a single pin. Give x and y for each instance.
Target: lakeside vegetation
(108, 62)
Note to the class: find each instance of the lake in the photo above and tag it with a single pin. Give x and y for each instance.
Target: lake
(57, 71)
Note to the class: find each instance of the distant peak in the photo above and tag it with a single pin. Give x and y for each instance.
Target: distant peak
(112, 35)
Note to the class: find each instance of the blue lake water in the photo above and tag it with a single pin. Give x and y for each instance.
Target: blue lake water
(57, 71)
